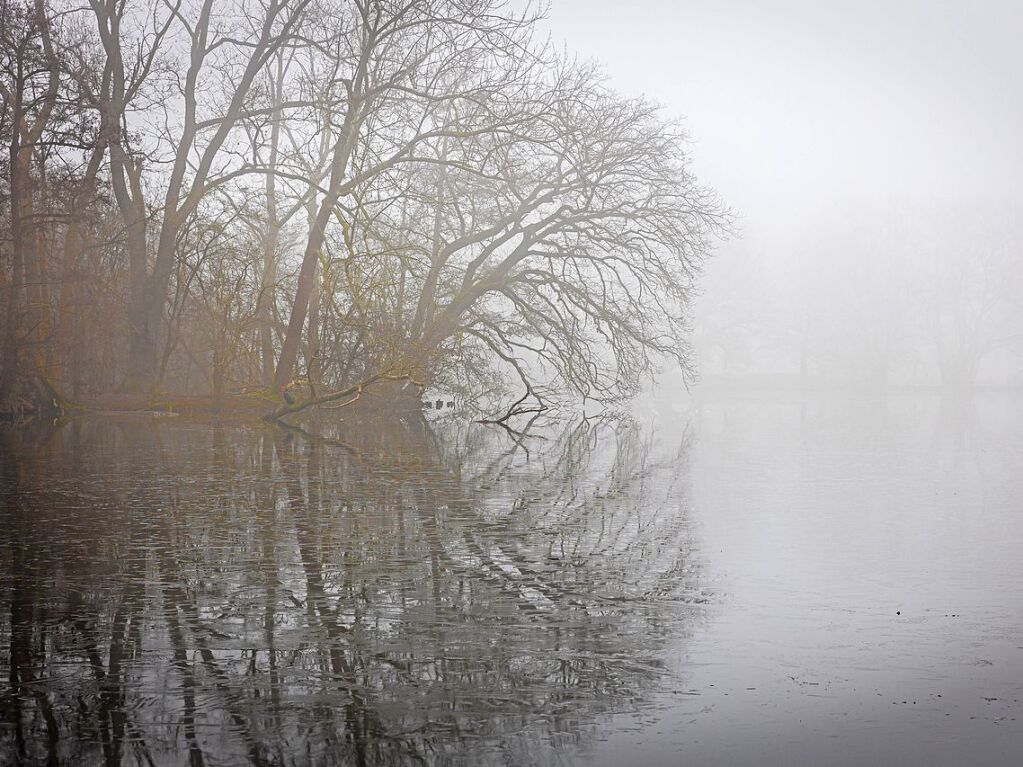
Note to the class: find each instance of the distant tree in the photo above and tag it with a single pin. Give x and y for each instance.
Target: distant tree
(969, 295)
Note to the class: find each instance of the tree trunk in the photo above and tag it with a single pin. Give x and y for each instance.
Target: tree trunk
(268, 281)
(265, 302)
(9, 367)
(313, 332)
(10, 356)
(218, 378)
(306, 284)
(341, 155)
(142, 338)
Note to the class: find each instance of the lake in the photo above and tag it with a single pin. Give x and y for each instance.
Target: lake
(742, 580)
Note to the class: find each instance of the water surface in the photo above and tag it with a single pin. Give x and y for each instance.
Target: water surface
(867, 555)
(772, 580)
(406, 594)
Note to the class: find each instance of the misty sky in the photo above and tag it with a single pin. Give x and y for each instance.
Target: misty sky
(796, 106)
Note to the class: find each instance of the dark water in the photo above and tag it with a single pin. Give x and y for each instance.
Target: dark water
(742, 581)
(180, 593)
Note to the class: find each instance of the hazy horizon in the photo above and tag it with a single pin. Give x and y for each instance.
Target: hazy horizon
(825, 126)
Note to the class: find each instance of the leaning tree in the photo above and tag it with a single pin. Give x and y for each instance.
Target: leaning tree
(559, 242)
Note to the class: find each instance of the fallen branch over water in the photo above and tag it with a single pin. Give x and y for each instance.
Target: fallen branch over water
(345, 397)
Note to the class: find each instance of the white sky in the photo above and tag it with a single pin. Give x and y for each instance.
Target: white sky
(796, 105)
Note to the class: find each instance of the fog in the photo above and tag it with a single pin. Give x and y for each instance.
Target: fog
(871, 151)
(561, 199)
(496, 382)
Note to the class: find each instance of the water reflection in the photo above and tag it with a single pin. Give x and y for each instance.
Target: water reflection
(396, 594)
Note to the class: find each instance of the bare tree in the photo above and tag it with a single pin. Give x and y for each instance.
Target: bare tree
(221, 53)
(29, 87)
(561, 243)
(433, 196)
(584, 259)
(395, 68)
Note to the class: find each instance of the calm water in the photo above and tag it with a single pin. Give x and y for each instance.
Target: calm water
(743, 581)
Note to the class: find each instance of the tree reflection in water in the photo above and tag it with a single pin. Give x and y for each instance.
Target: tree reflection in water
(412, 595)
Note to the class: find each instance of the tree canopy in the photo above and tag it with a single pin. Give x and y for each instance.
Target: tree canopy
(208, 197)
